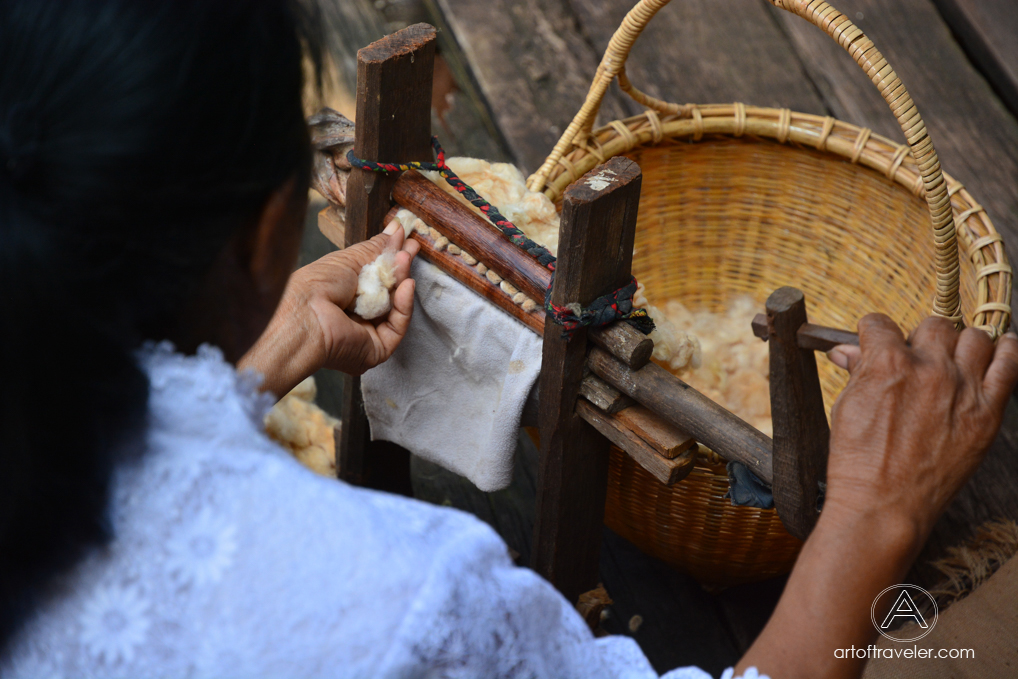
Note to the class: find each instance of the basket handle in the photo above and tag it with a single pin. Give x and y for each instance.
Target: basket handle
(947, 302)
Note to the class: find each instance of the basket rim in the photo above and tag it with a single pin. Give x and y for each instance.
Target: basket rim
(982, 243)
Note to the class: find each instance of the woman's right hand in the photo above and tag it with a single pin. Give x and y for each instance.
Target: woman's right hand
(906, 433)
(916, 417)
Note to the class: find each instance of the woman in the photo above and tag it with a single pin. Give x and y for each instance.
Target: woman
(153, 172)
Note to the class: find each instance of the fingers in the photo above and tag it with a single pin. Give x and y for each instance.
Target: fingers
(396, 233)
(1002, 375)
(877, 332)
(368, 251)
(935, 334)
(411, 247)
(395, 326)
(973, 353)
(845, 356)
(404, 258)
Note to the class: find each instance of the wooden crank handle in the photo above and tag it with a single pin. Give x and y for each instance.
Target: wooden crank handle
(810, 335)
(474, 234)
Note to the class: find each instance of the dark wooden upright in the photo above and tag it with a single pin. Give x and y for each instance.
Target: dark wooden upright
(801, 433)
(393, 125)
(595, 256)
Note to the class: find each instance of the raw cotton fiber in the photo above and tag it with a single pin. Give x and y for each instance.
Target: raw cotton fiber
(718, 355)
(504, 186)
(374, 285)
(304, 429)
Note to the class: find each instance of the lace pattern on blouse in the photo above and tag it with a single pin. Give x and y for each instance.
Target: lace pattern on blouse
(229, 559)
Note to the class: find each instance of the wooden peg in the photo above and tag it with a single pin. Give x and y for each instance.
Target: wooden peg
(394, 77)
(603, 395)
(668, 455)
(810, 335)
(595, 254)
(801, 432)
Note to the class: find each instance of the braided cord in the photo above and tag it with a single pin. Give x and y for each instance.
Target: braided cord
(602, 311)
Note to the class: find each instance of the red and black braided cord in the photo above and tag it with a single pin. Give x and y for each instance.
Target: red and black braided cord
(602, 311)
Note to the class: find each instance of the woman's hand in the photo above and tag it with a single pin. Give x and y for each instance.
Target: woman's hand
(906, 433)
(311, 328)
(916, 418)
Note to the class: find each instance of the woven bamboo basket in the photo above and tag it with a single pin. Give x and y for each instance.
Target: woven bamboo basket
(739, 200)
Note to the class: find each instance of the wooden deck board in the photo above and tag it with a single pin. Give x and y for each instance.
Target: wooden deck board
(988, 31)
(532, 65)
(706, 52)
(681, 623)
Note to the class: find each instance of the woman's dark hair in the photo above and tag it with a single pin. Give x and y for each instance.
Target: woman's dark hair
(136, 138)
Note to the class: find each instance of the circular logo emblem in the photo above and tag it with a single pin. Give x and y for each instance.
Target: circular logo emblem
(911, 613)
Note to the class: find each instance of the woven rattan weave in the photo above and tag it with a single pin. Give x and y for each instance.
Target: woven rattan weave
(739, 199)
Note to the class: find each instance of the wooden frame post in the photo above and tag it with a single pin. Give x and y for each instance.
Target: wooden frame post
(801, 432)
(595, 257)
(394, 77)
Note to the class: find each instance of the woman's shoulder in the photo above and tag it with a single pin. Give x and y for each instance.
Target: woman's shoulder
(230, 557)
(206, 440)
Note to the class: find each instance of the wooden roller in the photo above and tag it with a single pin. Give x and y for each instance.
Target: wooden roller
(482, 239)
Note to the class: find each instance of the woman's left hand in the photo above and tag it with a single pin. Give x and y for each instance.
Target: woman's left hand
(311, 328)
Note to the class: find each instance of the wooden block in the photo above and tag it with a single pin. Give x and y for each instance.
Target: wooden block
(591, 604)
(332, 224)
(595, 257)
(668, 440)
(394, 76)
(603, 395)
(801, 433)
(647, 453)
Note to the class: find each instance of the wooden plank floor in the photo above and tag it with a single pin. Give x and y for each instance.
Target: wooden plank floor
(517, 70)
(988, 32)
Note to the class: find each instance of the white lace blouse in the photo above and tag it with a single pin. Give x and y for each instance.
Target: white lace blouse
(232, 560)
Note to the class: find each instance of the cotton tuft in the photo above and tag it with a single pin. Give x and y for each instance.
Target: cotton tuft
(374, 284)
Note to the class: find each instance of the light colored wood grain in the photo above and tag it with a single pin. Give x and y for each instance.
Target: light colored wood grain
(603, 395)
(664, 437)
(666, 470)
